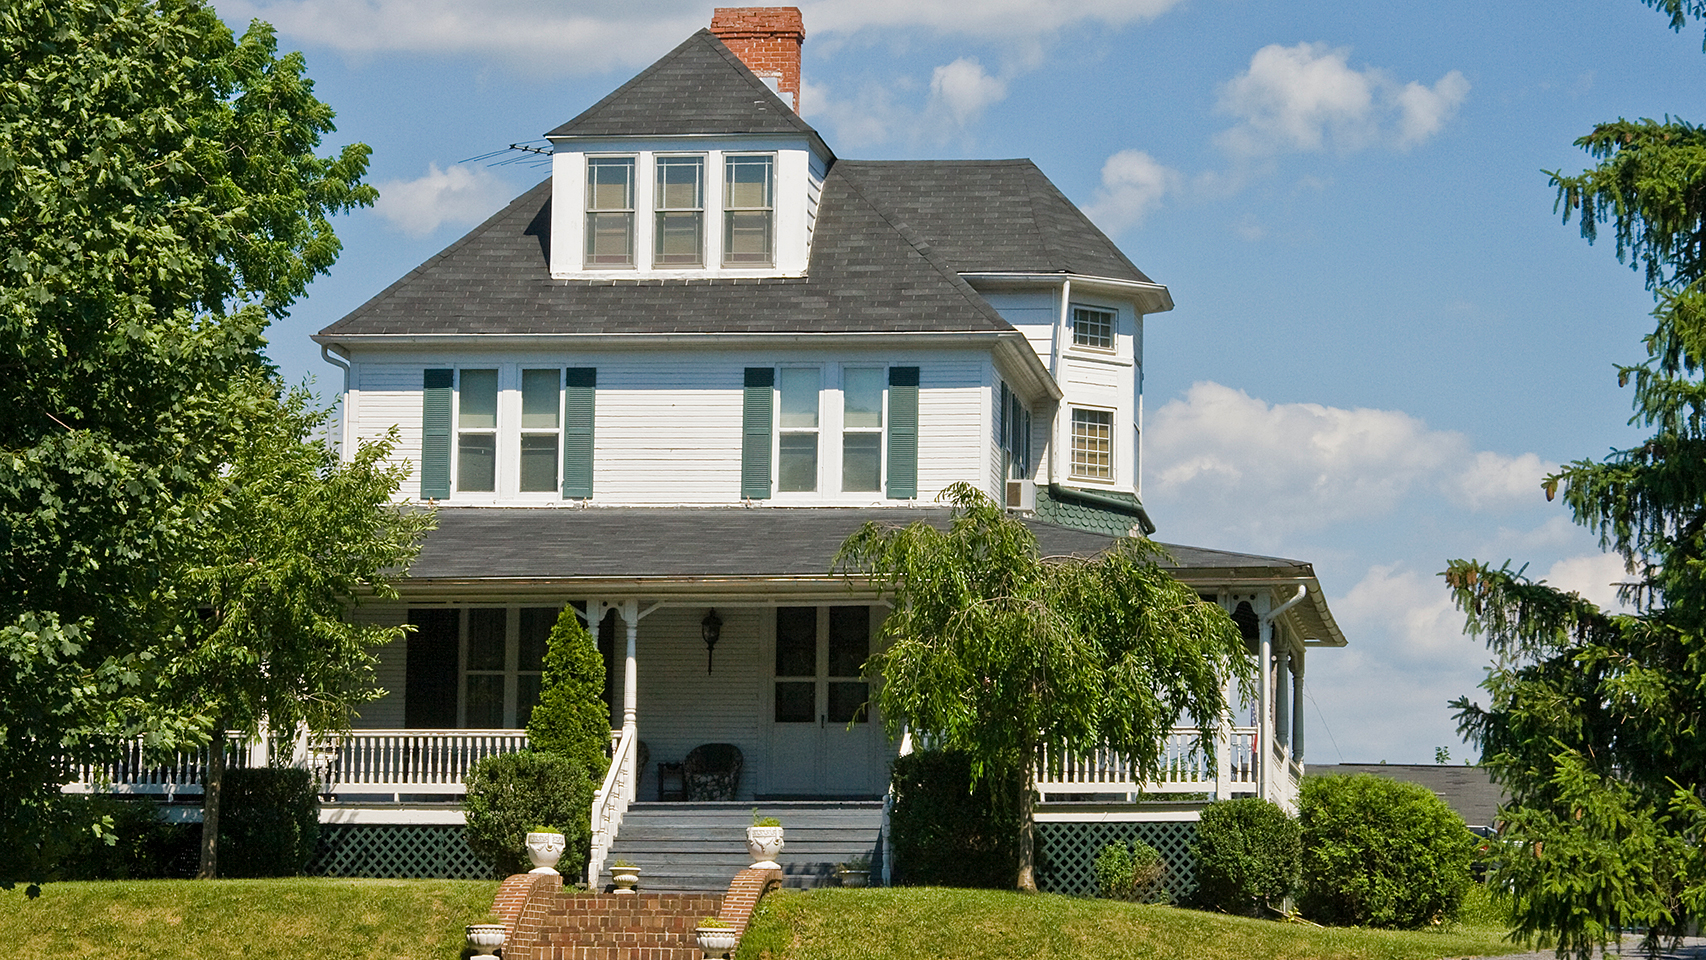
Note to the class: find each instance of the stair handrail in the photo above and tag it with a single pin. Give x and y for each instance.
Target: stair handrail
(611, 802)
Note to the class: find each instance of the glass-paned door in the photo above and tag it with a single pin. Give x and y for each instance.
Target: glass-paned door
(823, 740)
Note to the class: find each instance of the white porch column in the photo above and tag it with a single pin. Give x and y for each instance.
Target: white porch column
(1264, 707)
(1282, 699)
(629, 611)
(1297, 708)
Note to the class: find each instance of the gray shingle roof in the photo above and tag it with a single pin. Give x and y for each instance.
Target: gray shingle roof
(699, 87)
(865, 276)
(683, 543)
(989, 216)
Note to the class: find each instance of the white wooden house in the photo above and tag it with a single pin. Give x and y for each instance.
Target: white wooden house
(672, 377)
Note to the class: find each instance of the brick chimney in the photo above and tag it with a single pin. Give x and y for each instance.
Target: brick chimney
(767, 40)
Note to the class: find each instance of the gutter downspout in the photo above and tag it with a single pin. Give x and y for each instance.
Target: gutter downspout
(341, 360)
(1265, 695)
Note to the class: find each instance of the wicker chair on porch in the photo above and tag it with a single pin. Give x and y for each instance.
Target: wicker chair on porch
(712, 771)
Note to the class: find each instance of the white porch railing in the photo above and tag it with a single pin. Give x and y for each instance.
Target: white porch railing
(611, 801)
(370, 761)
(1184, 769)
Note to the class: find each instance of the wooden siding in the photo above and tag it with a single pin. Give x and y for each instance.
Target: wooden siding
(668, 428)
(681, 706)
(1033, 312)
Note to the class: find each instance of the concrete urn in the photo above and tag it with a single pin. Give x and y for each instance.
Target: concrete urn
(764, 843)
(544, 850)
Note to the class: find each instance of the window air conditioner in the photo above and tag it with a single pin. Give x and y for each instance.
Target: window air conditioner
(1022, 495)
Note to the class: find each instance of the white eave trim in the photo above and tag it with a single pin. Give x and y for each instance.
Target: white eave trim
(1207, 578)
(1151, 297)
(631, 340)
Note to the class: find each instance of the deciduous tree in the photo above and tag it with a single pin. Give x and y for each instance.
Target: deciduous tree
(993, 649)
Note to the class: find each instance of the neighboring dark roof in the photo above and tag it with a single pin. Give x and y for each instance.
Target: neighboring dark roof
(699, 87)
(991, 216)
(674, 543)
(866, 275)
(1467, 790)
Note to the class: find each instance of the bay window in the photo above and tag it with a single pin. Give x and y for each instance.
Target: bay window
(1092, 444)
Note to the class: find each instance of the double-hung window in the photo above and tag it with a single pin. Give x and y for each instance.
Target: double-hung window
(501, 651)
(1092, 444)
(862, 428)
(476, 431)
(796, 452)
(609, 212)
(1015, 423)
(680, 202)
(1093, 328)
(749, 200)
(541, 402)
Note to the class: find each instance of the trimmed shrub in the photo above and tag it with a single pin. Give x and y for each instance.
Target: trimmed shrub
(945, 833)
(508, 794)
(269, 822)
(1131, 873)
(571, 719)
(1381, 853)
(1247, 856)
(133, 842)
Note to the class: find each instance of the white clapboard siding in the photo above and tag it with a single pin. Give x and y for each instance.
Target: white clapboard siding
(816, 171)
(951, 410)
(681, 706)
(668, 432)
(997, 475)
(388, 395)
(1034, 313)
(391, 670)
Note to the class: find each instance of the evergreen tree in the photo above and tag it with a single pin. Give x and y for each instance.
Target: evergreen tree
(571, 719)
(1596, 724)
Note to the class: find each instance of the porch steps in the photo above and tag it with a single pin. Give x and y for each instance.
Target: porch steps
(650, 926)
(701, 846)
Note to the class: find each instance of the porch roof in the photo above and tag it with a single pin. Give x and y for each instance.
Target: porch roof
(643, 548)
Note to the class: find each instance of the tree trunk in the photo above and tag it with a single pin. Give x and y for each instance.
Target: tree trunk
(212, 782)
(1027, 822)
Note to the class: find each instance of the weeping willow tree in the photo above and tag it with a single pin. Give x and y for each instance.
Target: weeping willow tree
(1596, 721)
(993, 649)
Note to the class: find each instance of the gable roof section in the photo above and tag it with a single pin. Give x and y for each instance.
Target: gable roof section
(867, 274)
(991, 216)
(700, 87)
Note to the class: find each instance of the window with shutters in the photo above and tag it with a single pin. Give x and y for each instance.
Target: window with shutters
(862, 390)
(475, 667)
(832, 430)
(476, 431)
(541, 416)
(1014, 427)
(798, 405)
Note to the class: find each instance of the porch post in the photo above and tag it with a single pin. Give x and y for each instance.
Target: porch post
(1282, 698)
(1297, 708)
(1264, 707)
(629, 611)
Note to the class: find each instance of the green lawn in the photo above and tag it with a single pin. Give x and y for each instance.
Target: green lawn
(283, 919)
(920, 922)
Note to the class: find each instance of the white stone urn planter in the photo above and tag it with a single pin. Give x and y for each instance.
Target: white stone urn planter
(625, 878)
(545, 849)
(716, 941)
(764, 843)
(854, 878)
(485, 938)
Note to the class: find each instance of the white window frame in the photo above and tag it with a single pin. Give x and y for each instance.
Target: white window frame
(777, 429)
(728, 209)
(658, 162)
(1073, 463)
(1113, 327)
(635, 251)
(495, 432)
(522, 432)
(511, 671)
(881, 429)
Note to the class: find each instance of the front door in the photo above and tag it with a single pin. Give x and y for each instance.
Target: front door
(823, 741)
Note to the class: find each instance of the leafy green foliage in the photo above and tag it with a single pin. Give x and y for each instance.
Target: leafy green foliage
(992, 649)
(1381, 853)
(509, 793)
(1590, 710)
(271, 823)
(108, 838)
(161, 195)
(1247, 854)
(947, 830)
(571, 718)
(1130, 871)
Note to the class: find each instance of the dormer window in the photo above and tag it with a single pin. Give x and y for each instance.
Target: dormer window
(680, 200)
(609, 212)
(749, 209)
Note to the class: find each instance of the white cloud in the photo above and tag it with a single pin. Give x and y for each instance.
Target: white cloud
(1595, 576)
(592, 36)
(965, 90)
(1307, 98)
(1133, 183)
(459, 196)
(1413, 610)
(1272, 468)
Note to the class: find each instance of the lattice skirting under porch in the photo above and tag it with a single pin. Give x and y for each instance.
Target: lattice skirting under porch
(420, 850)
(1068, 853)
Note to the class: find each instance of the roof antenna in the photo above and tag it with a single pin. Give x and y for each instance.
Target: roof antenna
(530, 155)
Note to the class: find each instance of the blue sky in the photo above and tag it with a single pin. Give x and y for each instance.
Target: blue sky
(1384, 335)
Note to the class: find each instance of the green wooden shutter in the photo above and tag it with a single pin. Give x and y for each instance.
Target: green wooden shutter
(435, 434)
(755, 433)
(578, 406)
(903, 433)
